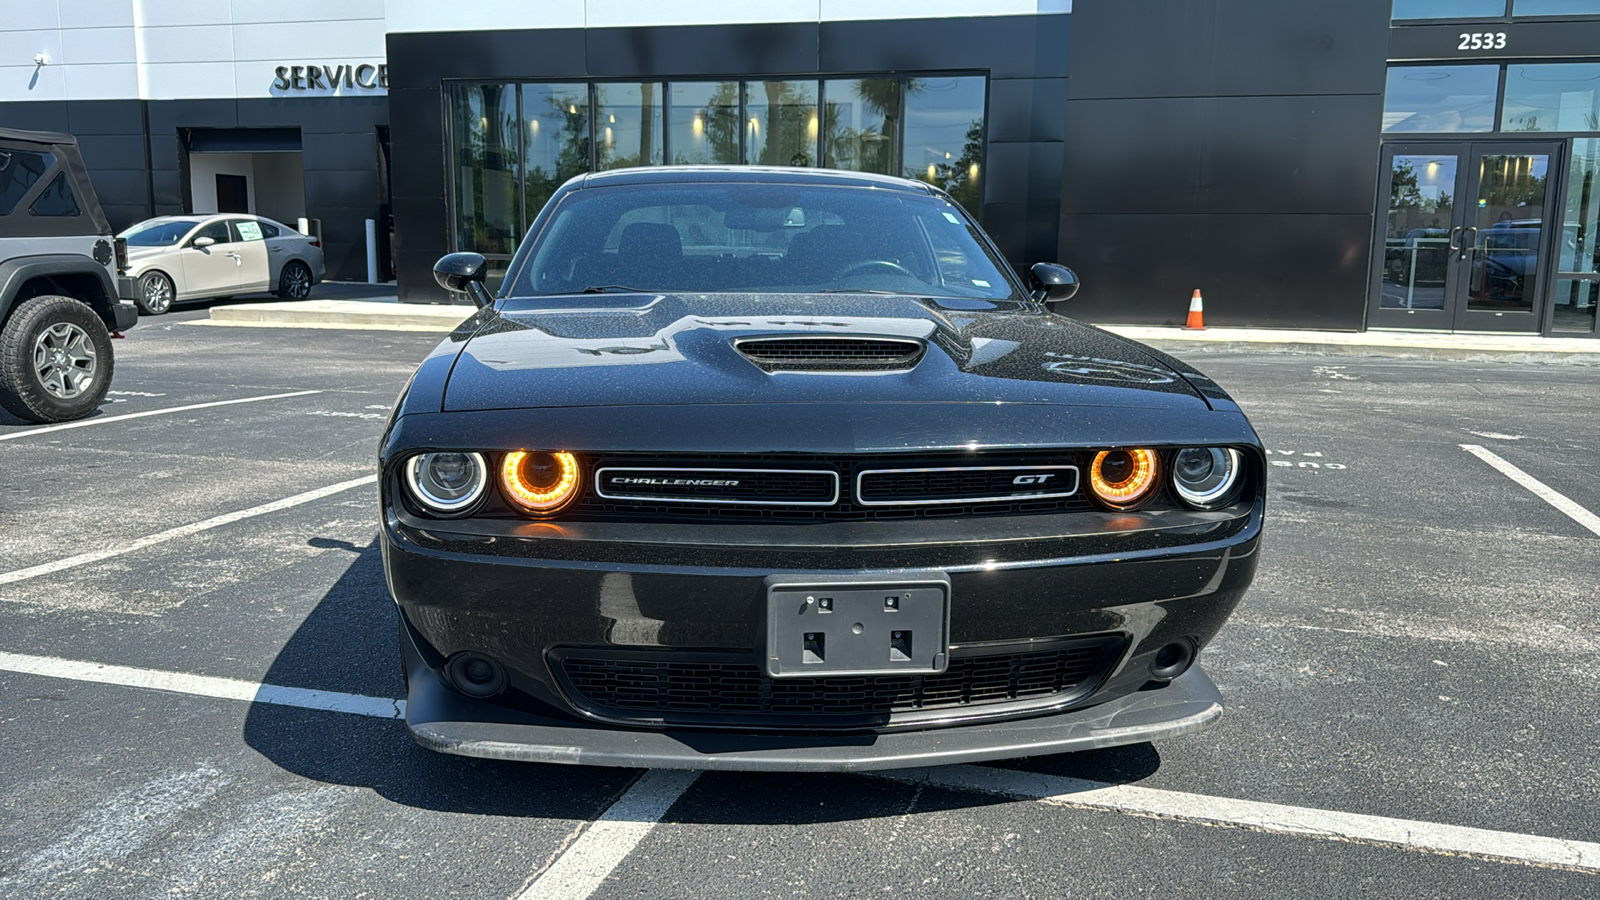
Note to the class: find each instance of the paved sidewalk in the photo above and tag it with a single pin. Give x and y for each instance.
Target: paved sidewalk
(386, 313)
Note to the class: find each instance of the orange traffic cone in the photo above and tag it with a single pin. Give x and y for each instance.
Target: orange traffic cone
(1197, 312)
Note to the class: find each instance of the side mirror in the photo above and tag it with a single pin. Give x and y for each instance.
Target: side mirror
(200, 243)
(1052, 283)
(464, 272)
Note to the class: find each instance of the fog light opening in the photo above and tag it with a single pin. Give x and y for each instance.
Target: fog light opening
(476, 675)
(1172, 660)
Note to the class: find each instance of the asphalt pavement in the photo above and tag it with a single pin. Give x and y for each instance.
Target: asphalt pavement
(1416, 658)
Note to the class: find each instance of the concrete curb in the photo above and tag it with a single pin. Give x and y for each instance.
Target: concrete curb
(355, 314)
(1385, 345)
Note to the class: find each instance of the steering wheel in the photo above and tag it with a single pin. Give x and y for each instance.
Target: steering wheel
(871, 263)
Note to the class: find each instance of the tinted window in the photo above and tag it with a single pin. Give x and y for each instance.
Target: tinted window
(627, 126)
(1552, 97)
(156, 234)
(861, 124)
(485, 178)
(709, 238)
(217, 231)
(1440, 98)
(555, 135)
(944, 135)
(57, 199)
(19, 171)
(781, 123)
(268, 229)
(705, 123)
(1556, 8)
(1448, 9)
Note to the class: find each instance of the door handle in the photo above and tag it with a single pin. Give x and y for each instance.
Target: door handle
(1451, 240)
(1466, 245)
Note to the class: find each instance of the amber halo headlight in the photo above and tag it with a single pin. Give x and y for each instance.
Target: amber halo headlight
(447, 484)
(1205, 477)
(1122, 479)
(539, 481)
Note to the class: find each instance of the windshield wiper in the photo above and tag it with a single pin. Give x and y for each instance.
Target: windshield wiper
(612, 289)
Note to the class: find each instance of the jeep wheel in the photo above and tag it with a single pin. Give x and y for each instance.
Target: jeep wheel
(294, 282)
(55, 360)
(155, 294)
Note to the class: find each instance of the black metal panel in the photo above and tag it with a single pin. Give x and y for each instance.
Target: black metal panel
(1524, 40)
(417, 170)
(1176, 48)
(416, 115)
(104, 117)
(119, 187)
(414, 275)
(1293, 154)
(113, 151)
(1008, 174)
(1303, 271)
(420, 61)
(168, 186)
(341, 151)
(122, 216)
(1007, 223)
(354, 188)
(315, 114)
(244, 140)
(702, 50)
(1006, 46)
(36, 115)
(167, 116)
(1044, 173)
(1043, 225)
(1010, 110)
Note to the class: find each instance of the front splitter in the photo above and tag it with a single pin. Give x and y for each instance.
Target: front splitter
(441, 719)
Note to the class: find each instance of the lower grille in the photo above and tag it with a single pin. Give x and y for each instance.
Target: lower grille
(669, 688)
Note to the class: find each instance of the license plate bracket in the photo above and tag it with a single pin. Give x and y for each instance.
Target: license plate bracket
(867, 625)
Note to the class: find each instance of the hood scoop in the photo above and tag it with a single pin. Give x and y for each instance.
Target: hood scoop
(831, 353)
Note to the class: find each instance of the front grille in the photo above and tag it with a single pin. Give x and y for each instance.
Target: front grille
(760, 487)
(964, 484)
(830, 353)
(594, 507)
(667, 687)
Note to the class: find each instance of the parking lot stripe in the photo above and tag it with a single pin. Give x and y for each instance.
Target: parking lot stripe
(85, 423)
(182, 531)
(1425, 837)
(202, 685)
(590, 859)
(1541, 490)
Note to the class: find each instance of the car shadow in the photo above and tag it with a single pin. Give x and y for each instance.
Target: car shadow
(348, 644)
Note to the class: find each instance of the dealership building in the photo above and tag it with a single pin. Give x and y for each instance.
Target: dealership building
(1349, 165)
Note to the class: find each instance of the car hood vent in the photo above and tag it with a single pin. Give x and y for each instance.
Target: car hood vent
(831, 353)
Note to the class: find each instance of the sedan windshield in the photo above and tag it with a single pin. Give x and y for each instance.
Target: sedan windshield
(157, 234)
(759, 238)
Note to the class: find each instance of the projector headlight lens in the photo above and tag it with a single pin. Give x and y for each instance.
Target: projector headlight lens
(1205, 477)
(447, 484)
(1122, 479)
(540, 481)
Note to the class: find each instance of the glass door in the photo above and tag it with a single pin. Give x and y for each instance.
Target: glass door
(1465, 236)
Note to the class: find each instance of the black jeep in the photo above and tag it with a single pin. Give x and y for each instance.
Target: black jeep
(61, 292)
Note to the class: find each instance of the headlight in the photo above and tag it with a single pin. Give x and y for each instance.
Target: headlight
(447, 483)
(1205, 476)
(540, 481)
(1122, 479)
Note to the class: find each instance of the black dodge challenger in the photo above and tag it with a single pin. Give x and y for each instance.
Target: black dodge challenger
(787, 469)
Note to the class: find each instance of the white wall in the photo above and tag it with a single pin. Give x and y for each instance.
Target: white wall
(179, 49)
(275, 185)
(203, 171)
(432, 15)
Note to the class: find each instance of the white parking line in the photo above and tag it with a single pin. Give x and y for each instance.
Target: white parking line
(85, 423)
(1541, 490)
(182, 531)
(585, 865)
(595, 854)
(1425, 837)
(202, 685)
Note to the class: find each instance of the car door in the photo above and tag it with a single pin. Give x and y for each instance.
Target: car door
(211, 271)
(250, 243)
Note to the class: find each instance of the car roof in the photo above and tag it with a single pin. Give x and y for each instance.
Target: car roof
(750, 175)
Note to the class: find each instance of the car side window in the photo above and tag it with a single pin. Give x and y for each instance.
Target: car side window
(217, 231)
(57, 199)
(268, 229)
(245, 230)
(19, 171)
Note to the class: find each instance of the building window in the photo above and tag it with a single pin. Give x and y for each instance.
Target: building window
(1440, 99)
(705, 123)
(1552, 97)
(944, 136)
(1556, 8)
(628, 122)
(484, 174)
(861, 125)
(1577, 293)
(555, 140)
(781, 126)
(1449, 9)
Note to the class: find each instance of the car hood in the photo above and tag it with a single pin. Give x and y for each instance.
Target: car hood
(679, 349)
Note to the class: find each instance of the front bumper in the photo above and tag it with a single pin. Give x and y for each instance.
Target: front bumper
(441, 719)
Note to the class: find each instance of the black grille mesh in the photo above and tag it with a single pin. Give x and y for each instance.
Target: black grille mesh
(826, 352)
(645, 685)
(888, 487)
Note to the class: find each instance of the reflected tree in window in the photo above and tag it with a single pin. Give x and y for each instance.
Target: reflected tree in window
(862, 124)
(557, 136)
(486, 167)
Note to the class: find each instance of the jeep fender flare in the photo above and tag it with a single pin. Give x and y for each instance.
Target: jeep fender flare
(14, 273)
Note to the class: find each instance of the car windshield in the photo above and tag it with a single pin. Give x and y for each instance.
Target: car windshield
(762, 238)
(156, 234)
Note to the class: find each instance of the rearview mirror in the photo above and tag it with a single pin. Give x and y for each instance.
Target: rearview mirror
(464, 272)
(200, 243)
(1052, 283)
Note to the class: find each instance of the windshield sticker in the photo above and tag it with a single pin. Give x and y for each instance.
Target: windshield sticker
(952, 218)
(250, 231)
(980, 282)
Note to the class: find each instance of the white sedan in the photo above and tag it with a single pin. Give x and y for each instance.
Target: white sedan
(178, 258)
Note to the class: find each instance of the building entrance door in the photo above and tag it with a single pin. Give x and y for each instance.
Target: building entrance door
(1465, 234)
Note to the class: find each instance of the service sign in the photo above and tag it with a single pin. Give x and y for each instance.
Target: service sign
(330, 78)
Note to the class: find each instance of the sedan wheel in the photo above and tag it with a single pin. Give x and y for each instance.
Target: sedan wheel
(295, 281)
(155, 294)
